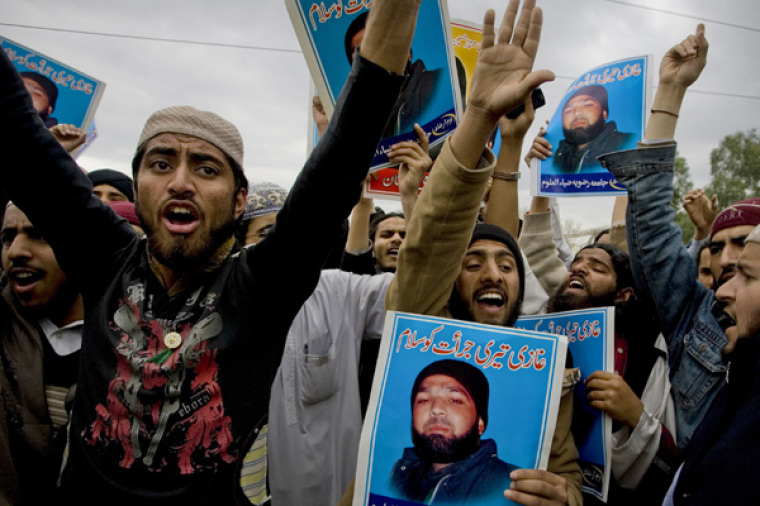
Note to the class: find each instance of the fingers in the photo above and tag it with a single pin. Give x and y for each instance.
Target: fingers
(534, 33)
(422, 136)
(488, 37)
(523, 23)
(508, 22)
(536, 487)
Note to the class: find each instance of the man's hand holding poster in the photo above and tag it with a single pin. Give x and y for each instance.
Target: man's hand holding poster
(455, 407)
(330, 35)
(603, 111)
(591, 341)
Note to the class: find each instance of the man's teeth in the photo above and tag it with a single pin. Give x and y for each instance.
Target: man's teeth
(576, 284)
(491, 298)
(181, 210)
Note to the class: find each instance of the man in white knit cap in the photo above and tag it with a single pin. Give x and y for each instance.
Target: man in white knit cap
(183, 330)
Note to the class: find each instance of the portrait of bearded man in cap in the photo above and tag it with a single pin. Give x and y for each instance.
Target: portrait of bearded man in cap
(449, 462)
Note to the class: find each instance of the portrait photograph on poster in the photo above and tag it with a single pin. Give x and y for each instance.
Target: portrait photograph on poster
(469, 401)
(61, 94)
(602, 112)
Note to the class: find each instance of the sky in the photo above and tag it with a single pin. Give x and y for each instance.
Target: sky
(251, 71)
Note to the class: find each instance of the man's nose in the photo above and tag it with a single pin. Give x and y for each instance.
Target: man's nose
(181, 181)
(19, 249)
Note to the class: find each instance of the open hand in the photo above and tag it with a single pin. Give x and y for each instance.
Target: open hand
(502, 78)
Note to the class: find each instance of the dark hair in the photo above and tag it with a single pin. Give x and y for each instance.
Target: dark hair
(378, 218)
(357, 25)
(599, 235)
(621, 262)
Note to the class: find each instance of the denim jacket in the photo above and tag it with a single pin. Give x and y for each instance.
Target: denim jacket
(664, 271)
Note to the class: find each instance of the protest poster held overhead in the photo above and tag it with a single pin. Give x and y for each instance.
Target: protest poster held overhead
(60, 93)
(601, 112)
(330, 34)
(500, 388)
(466, 37)
(590, 341)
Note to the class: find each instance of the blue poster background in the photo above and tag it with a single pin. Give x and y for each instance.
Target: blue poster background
(78, 93)
(519, 403)
(321, 28)
(590, 337)
(627, 85)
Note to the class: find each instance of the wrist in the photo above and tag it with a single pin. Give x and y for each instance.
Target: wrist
(701, 233)
(669, 97)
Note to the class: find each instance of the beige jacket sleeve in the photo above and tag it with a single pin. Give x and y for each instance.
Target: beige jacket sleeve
(537, 243)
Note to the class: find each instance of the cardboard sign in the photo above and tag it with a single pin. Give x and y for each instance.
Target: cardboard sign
(591, 340)
(61, 94)
(601, 112)
(329, 33)
(448, 378)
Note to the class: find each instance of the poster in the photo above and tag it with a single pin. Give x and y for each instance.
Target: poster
(60, 93)
(467, 388)
(601, 112)
(329, 33)
(591, 339)
(466, 37)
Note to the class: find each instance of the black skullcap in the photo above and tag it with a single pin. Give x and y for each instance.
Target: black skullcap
(114, 178)
(357, 25)
(599, 93)
(51, 90)
(470, 377)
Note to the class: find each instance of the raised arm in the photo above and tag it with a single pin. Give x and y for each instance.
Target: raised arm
(441, 224)
(502, 207)
(338, 164)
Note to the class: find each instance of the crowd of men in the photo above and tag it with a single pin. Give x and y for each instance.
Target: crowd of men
(158, 346)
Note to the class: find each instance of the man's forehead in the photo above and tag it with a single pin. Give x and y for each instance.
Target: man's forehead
(394, 222)
(489, 245)
(750, 257)
(596, 254)
(15, 218)
(442, 381)
(730, 233)
(172, 140)
(581, 98)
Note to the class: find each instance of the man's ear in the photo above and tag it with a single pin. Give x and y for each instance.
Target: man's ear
(240, 200)
(604, 115)
(623, 295)
(481, 426)
(50, 110)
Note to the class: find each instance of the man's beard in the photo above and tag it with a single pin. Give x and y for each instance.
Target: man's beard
(564, 301)
(439, 449)
(181, 253)
(584, 135)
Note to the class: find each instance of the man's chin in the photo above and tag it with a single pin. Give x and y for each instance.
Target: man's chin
(440, 449)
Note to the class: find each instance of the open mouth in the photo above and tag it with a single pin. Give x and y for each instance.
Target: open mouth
(490, 299)
(393, 252)
(181, 218)
(24, 276)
